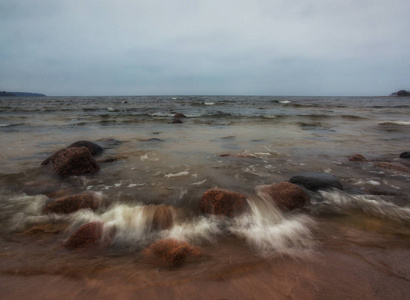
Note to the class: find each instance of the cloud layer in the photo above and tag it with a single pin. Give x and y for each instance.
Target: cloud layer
(264, 47)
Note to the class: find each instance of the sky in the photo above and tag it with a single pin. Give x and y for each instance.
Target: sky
(192, 47)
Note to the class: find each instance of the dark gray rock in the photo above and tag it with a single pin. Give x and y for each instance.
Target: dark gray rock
(405, 154)
(316, 181)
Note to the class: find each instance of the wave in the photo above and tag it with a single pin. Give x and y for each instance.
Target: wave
(402, 123)
(367, 204)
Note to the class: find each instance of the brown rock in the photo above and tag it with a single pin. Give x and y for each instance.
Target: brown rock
(286, 195)
(392, 166)
(171, 252)
(88, 235)
(223, 202)
(74, 161)
(357, 157)
(70, 204)
(161, 216)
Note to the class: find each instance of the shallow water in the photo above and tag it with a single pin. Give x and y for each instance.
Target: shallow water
(237, 143)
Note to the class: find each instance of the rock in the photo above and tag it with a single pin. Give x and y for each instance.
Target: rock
(177, 121)
(223, 202)
(392, 166)
(70, 204)
(171, 252)
(74, 161)
(161, 216)
(92, 147)
(316, 181)
(405, 154)
(286, 195)
(88, 235)
(357, 157)
(179, 116)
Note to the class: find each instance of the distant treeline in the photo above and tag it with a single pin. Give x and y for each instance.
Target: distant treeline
(401, 93)
(20, 94)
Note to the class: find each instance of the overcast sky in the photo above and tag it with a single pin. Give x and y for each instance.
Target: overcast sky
(175, 47)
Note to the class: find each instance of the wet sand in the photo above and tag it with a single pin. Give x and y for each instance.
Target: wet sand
(366, 260)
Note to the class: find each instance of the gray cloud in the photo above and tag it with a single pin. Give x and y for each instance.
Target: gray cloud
(204, 47)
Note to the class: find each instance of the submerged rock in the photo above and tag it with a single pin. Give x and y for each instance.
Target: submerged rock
(286, 195)
(52, 228)
(393, 166)
(70, 204)
(223, 202)
(357, 157)
(179, 116)
(88, 235)
(177, 121)
(73, 161)
(316, 181)
(171, 252)
(405, 154)
(92, 147)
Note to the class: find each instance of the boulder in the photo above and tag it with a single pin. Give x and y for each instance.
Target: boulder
(171, 252)
(88, 235)
(92, 147)
(286, 195)
(316, 181)
(405, 154)
(357, 157)
(223, 202)
(73, 161)
(161, 216)
(70, 204)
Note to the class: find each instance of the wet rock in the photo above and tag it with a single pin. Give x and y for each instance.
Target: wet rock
(107, 160)
(179, 116)
(92, 147)
(393, 166)
(357, 157)
(73, 161)
(316, 181)
(70, 204)
(177, 121)
(223, 202)
(88, 235)
(405, 154)
(286, 195)
(161, 216)
(171, 252)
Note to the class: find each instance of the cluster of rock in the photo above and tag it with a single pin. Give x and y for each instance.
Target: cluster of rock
(77, 159)
(402, 165)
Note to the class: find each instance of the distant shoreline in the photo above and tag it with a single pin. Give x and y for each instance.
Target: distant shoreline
(20, 94)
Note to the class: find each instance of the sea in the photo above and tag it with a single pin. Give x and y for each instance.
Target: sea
(238, 143)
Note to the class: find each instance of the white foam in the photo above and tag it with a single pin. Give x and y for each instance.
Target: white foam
(284, 101)
(199, 182)
(267, 230)
(404, 123)
(368, 204)
(171, 175)
(209, 103)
